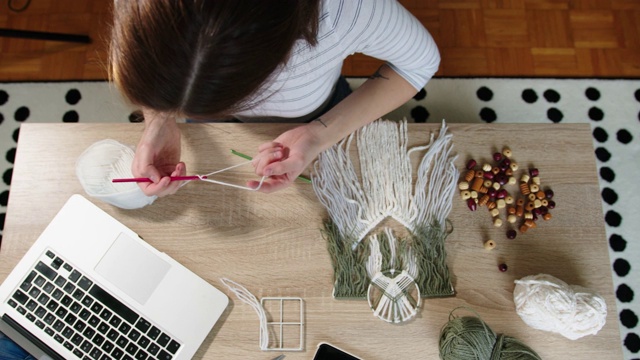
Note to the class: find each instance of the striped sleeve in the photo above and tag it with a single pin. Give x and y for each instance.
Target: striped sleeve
(385, 30)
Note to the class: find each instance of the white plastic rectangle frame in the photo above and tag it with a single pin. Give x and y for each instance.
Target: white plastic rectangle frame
(281, 323)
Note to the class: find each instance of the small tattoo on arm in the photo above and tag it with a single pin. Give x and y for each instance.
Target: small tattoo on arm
(377, 75)
(320, 121)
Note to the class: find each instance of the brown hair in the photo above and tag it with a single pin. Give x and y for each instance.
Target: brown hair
(204, 58)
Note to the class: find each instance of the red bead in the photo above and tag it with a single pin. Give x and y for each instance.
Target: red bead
(492, 192)
(488, 175)
(506, 162)
(502, 193)
(471, 203)
(471, 164)
(551, 204)
(502, 267)
(548, 193)
(501, 179)
(536, 211)
(497, 156)
(534, 172)
(511, 234)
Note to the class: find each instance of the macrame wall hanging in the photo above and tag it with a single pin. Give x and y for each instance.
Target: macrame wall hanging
(358, 201)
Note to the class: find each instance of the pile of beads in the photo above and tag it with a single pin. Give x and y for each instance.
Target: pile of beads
(485, 186)
(536, 202)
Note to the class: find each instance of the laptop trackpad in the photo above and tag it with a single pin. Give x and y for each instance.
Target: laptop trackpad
(132, 268)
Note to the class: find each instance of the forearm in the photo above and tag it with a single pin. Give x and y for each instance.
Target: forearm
(383, 92)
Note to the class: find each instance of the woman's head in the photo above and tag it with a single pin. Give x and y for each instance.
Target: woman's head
(203, 58)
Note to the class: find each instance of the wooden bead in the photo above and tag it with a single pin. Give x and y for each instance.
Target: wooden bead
(511, 210)
(486, 167)
(466, 194)
(491, 205)
(477, 183)
(520, 202)
(487, 183)
(483, 190)
(530, 206)
(545, 202)
(511, 181)
(483, 200)
(535, 180)
(469, 175)
(524, 188)
(523, 228)
(508, 172)
(531, 197)
(512, 219)
(534, 188)
(463, 185)
(489, 245)
(479, 173)
(530, 223)
(500, 203)
(507, 152)
(495, 212)
(496, 185)
(497, 222)
(547, 216)
(474, 194)
(513, 166)
(525, 178)
(519, 210)
(537, 203)
(540, 194)
(528, 215)
(495, 170)
(509, 200)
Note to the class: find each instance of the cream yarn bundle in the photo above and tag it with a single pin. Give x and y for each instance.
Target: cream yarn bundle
(548, 303)
(103, 161)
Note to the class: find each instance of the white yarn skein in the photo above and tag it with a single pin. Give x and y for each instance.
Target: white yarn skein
(547, 303)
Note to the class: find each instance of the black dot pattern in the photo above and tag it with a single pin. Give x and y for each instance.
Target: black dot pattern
(544, 102)
(73, 97)
(421, 95)
(22, 114)
(488, 115)
(420, 114)
(628, 318)
(617, 243)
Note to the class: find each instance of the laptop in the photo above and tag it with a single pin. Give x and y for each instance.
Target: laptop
(91, 288)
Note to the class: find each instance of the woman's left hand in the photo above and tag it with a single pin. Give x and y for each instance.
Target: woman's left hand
(285, 158)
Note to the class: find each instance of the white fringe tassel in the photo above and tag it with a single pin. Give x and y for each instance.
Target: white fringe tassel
(357, 204)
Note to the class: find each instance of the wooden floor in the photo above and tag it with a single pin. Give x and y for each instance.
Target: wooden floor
(531, 38)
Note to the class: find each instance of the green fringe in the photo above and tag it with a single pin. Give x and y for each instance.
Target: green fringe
(349, 266)
(350, 279)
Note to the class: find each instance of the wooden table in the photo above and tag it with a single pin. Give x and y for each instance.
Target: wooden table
(272, 244)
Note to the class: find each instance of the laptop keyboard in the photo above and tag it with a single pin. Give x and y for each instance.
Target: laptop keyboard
(80, 315)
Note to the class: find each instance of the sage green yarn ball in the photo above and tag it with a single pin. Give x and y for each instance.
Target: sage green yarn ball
(469, 338)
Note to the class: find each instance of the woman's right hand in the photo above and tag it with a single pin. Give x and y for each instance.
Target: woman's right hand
(157, 155)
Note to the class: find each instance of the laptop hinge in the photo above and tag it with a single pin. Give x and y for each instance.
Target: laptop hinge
(32, 338)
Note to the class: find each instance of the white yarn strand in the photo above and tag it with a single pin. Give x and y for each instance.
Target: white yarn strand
(247, 297)
(547, 303)
(205, 178)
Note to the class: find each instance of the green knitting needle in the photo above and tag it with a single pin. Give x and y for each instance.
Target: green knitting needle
(250, 158)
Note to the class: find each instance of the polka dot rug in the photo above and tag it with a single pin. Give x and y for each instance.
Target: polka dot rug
(611, 107)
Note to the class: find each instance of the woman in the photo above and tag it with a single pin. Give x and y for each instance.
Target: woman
(259, 61)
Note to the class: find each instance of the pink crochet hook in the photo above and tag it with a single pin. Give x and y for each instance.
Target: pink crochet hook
(173, 178)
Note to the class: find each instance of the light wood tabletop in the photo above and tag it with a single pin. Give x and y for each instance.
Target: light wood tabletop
(273, 245)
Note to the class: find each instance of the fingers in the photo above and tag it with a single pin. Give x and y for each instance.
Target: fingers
(267, 156)
(271, 184)
(164, 186)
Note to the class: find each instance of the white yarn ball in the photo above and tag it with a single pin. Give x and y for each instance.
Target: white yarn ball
(103, 161)
(548, 303)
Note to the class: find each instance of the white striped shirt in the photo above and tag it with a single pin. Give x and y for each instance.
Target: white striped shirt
(382, 29)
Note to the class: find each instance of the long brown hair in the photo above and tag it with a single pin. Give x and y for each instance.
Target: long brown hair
(203, 58)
